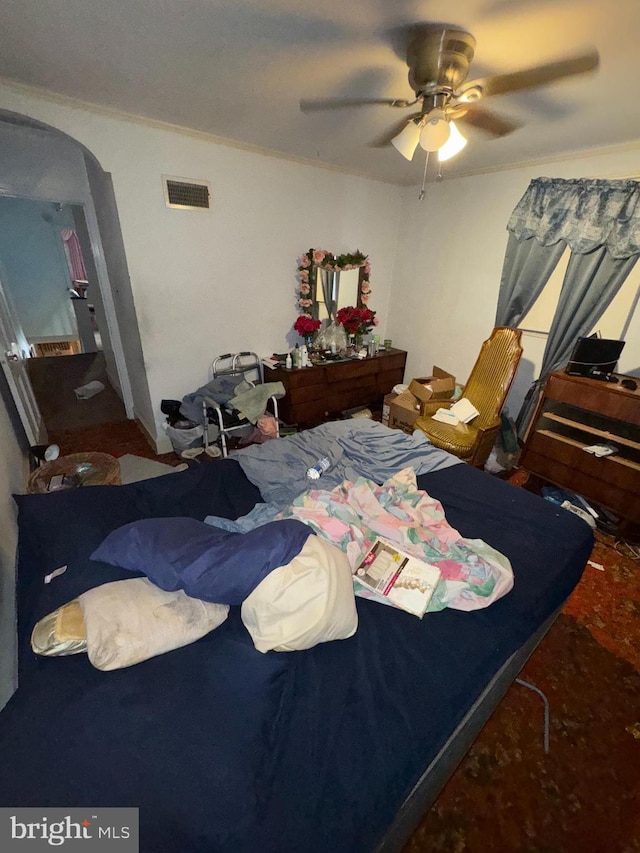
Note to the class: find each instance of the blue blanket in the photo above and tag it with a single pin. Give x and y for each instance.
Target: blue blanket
(227, 750)
(355, 448)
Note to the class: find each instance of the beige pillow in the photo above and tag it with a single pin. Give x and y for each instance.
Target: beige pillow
(306, 602)
(132, 620)
(61, 632)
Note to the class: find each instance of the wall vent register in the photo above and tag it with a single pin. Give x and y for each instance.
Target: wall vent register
(186, 194)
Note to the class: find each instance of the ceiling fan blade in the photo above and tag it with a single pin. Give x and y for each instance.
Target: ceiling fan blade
(311, 105)
(540, 75)
(397, 127)
(486, 120)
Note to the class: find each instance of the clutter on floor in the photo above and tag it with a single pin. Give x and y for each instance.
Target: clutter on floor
(85, 392)
(231, 406)
(76, 469)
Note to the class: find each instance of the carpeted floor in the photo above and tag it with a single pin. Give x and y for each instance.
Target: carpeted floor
(507, 795)
(584, 795)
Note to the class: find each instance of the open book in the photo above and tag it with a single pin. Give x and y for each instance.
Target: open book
(394, 577)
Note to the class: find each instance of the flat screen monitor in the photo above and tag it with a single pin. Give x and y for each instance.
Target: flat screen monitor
(596, 357)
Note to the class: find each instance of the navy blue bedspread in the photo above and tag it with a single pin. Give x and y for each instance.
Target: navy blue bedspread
(227, 750)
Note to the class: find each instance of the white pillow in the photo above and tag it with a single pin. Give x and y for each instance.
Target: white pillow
(132, 620)
(306, 602)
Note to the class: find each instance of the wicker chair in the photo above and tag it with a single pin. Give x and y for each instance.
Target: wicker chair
(487, 388)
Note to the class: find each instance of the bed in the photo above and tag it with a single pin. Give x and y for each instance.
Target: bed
(224, 749)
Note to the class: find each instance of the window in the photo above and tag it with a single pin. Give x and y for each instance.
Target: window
(613, 323)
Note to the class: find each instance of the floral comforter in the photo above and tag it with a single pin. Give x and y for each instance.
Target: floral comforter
(354, 514)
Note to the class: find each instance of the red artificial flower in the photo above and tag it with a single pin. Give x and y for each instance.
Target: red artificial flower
(306, 325)
(356, 321)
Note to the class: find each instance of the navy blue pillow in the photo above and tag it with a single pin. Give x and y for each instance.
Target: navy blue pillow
(206, 562)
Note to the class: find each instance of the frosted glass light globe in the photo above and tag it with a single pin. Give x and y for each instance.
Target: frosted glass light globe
(435, 132)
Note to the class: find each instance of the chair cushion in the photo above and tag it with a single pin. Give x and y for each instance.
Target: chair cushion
(458, 439)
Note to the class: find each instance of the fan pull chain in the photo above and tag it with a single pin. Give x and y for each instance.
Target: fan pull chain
(424, 177)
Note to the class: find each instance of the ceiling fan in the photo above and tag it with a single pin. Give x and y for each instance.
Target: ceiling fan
(438, 57)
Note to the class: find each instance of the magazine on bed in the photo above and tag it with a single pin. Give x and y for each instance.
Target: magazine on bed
(391, 576)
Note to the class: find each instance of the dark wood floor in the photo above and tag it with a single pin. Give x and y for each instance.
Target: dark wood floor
(117, 438)
(54, 380)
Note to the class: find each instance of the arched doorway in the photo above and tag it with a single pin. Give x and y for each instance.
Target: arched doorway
(43, 166)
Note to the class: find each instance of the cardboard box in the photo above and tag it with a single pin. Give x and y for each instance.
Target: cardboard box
(404, 410)
(439, 386)
(386, 407)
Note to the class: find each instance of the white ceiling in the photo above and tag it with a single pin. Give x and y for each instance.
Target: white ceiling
(238, 69)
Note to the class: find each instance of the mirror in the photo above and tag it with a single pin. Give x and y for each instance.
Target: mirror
(329, 282)
(335, 289)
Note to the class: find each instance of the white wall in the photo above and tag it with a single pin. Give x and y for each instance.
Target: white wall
(450, 255)
(35, 165)
(13, 471)
(206, 283)
(35, 270)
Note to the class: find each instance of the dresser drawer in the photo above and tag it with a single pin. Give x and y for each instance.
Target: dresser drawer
(621, 501)
(348, 371)
(316, 393)
(597, 396)
(560, 450)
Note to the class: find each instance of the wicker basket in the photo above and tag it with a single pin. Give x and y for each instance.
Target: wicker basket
(104, 471)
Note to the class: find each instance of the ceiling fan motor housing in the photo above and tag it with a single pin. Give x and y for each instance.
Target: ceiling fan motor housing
(439, 57)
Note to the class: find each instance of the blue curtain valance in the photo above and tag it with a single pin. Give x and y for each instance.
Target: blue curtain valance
(584, 213)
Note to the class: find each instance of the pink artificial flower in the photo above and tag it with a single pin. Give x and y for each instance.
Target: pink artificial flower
(305, 303)
(375, 321)
(305, 288)
(364, 297)
(304, 261)
(367, 267)
(303, 275)
(319, 256)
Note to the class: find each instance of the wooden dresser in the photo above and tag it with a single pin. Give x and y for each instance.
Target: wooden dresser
(573, 413)
(322, 391)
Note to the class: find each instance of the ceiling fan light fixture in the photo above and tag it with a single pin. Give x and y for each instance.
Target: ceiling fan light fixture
(407, 140)
(471, 94)
(435, 132)
(454, 144)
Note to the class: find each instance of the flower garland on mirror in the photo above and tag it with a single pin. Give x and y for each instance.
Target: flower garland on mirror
(306, 325)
